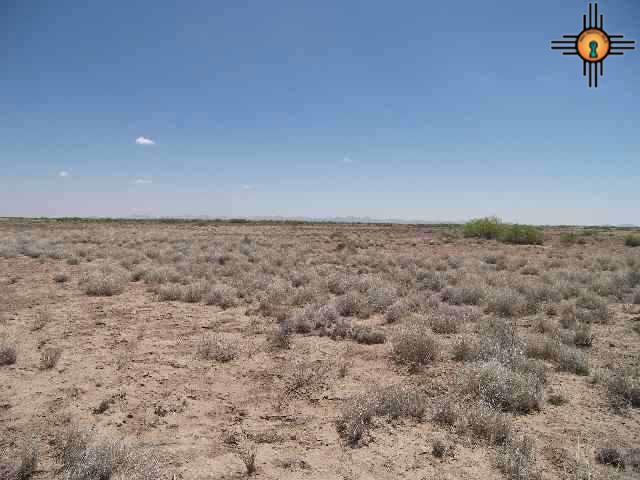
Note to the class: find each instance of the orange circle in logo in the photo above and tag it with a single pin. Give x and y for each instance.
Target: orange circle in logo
(593, 45)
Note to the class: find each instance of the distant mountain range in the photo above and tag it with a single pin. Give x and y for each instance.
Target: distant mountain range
(348, 219)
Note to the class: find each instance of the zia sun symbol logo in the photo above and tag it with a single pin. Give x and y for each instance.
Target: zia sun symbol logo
(593, 45)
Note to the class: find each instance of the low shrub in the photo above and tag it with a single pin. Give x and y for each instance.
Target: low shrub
(493, 228)
(415, 346)
(591, 308)
(302, 379)
(517, 459)
(222, 296)
(218, 348)
(85, 458)
(488, 423)
(104, 281)
(396, 312)
(568, 238)
(49, 358)
(446, 411)
(469, 295)
(61, 277)
(573, 360)
(170, 292)
(543, 347)
(632, 240)
(396, 401)
(506, 302)
(430, 280)
(442, 323)
(8, 353)
(280, 337)
(583, 336)
(193, 293)
(488, 228)
(516, 391)
(350, 304)
(368, 336)
(466, 350)
(26, 467)
(610, 456)
(623, 387)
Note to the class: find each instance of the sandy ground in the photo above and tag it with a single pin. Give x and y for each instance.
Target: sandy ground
(139, 353)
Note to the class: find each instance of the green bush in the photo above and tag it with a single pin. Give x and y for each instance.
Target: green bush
(568, 237)
(492, 228)
(632, 240)
(521, 235)
(488, 228)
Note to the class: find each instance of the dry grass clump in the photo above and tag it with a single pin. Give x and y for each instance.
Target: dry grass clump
(489, 423)
(61, 277)
(518, 390)
(399, 310)
(499, 341)
(26, 467)
(610, 456)
(274, 301)
(446, 411)
(358, 413)
(222, 296)
(85, 458)
(546, 326)
(466, 349)
(468, 295)
(42, 318)
(280, 337)
(8, 353)
(49, 358)
(171, 292)
(582, 336)
(302, 379)
(573, 360)
(367, 336)
(543, 347)
(247, 451)
(623, 387)
(591, 308)
(303, 320)
(380, 296)
(218, 348)
(352, 304)
(160, 275)
(448, 320)
(415, 346)
(104, 281)
(517, 459)
(430, 280)
(506, 302)
(193, 293)
(325, 316)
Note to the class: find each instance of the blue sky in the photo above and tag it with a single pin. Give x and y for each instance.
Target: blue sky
(414, 109)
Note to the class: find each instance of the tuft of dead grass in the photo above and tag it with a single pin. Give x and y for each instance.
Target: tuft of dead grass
(415, 346)
(217, 347)
(396, 401)
(83, 457)
(104, 281)
(8, 353)
(49, 358)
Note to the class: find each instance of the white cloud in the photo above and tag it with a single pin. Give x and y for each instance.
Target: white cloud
(144, 141)
(247, 187)
(63, 174)
(347, 160)
(142, 181)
